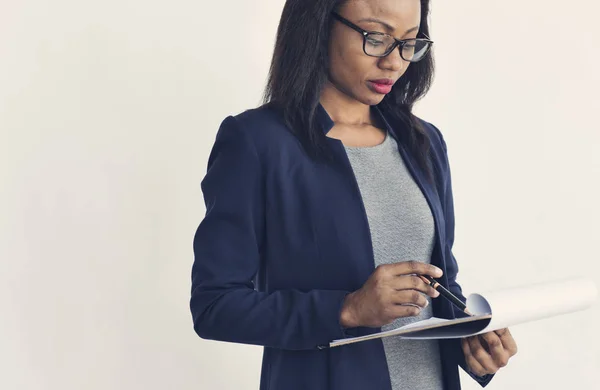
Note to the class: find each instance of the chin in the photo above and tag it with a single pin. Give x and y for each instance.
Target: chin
(366, 96)
(372, 98)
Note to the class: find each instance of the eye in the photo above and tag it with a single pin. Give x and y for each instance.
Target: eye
(374, 42)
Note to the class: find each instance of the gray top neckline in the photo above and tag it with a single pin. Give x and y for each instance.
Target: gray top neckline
(371, 148)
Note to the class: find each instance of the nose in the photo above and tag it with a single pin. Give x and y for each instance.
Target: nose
(393, 61)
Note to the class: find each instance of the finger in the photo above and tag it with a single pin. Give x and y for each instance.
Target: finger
(416, 267)
(508, 342)
(496, 349)
(414, 282)
(475, 367)
(397, 311)
(410, 297)
(432, 291)
(482, 356)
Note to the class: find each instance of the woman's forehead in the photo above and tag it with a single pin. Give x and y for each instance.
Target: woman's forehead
(395, 13)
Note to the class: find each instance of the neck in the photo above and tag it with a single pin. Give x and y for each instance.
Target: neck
(343, 109)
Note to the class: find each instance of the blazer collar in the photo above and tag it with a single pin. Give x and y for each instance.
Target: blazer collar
(327, 123)
(324, 119)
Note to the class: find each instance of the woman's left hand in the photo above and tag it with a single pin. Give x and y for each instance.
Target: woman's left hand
(488, 352)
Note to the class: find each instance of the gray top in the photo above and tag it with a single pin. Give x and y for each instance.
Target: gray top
(402, 228)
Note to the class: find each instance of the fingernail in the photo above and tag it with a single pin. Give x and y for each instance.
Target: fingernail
(426, 303)
(438, 271)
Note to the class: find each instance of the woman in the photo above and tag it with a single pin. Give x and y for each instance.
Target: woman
(324, 204)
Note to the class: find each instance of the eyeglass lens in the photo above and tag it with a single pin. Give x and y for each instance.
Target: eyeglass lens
(381, 45)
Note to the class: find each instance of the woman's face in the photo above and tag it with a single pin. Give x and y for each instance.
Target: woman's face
(352, 72)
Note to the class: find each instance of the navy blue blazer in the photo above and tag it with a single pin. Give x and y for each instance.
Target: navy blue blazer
(285, 239)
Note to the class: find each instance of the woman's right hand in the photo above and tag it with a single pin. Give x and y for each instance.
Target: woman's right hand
(392, 291)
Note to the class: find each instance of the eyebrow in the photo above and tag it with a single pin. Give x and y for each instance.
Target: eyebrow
(388, 27)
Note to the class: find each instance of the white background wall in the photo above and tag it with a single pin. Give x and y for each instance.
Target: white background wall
(108, 110)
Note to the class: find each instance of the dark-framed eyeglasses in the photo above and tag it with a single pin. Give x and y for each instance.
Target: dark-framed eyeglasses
(378, 44)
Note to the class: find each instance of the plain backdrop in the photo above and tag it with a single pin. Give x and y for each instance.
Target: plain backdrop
(108, 110)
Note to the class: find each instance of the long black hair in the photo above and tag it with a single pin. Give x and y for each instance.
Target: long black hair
(299, 69)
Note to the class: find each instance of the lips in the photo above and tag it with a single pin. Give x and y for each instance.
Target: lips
(381, 86)
(383, 81)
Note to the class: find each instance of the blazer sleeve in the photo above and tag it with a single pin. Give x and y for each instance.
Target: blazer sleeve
(227, 254)
(452, 265)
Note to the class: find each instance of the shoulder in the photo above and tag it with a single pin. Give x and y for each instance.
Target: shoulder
(262, 122)
(262, 126)
(438, 152)
(435, 135)
(260, 134)
(264, 115)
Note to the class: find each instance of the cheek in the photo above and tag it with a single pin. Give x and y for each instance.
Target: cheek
(350, 68)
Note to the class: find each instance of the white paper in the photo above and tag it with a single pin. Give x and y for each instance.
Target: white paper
(499, 309)
(533, 302)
